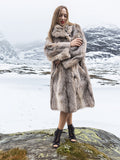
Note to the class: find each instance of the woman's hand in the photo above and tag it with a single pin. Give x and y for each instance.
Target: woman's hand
(76, 42)
(57, 62)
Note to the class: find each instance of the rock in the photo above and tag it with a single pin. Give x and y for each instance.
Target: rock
(39, 143)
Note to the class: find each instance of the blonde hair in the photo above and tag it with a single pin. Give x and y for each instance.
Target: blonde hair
(55, 20)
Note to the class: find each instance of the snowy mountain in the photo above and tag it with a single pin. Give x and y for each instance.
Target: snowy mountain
(102, 57)
(100, 38)
(7, 52)
(106, 39)
(30, 51)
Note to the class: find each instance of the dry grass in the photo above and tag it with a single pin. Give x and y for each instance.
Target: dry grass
(13, 154)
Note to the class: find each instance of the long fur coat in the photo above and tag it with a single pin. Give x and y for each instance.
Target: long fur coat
(70, 85)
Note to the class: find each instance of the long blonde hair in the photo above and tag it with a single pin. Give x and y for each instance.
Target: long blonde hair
(55, 19)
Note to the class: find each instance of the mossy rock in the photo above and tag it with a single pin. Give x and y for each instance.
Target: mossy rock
(80, 151)
(100, 139)
(90, 142)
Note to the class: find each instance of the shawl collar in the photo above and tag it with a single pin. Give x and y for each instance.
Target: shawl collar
(62, 32)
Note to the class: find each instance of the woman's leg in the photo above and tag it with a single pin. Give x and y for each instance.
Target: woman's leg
(69, 119)
(71, 128)
(62, 119)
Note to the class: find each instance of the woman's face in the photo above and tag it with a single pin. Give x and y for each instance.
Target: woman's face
(62, 19)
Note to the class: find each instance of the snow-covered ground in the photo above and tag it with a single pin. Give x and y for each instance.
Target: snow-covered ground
(24, 106)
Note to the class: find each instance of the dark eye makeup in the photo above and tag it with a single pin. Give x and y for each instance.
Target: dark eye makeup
(65, 15)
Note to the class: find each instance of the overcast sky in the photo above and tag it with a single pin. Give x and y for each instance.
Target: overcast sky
(29, 20)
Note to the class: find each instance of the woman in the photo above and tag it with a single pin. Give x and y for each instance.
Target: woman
(70, 84)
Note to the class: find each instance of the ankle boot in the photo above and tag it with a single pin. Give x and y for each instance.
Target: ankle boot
(56, 141)
(72, 136)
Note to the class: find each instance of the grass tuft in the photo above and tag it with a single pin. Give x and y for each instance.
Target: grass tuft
(14, 154)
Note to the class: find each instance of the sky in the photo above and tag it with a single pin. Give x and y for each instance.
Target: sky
(29, 20)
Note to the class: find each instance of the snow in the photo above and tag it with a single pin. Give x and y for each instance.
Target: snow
(24, 106)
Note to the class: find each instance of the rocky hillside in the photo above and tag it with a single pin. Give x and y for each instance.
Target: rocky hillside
(105, 39)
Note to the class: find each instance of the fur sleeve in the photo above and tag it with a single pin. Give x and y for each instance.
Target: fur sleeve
(76, 52)
(57, 51)
(78, 33)
(72, 61)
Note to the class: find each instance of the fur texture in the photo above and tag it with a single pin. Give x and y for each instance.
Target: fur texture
(70, 85)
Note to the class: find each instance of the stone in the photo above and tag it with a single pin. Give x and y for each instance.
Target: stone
(39, 143)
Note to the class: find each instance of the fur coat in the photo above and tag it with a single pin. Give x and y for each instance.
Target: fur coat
(70, 85)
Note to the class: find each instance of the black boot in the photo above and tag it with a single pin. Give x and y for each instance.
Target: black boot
(56, 142)
(71, 133)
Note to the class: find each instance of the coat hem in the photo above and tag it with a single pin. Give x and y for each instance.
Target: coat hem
(72, 111)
